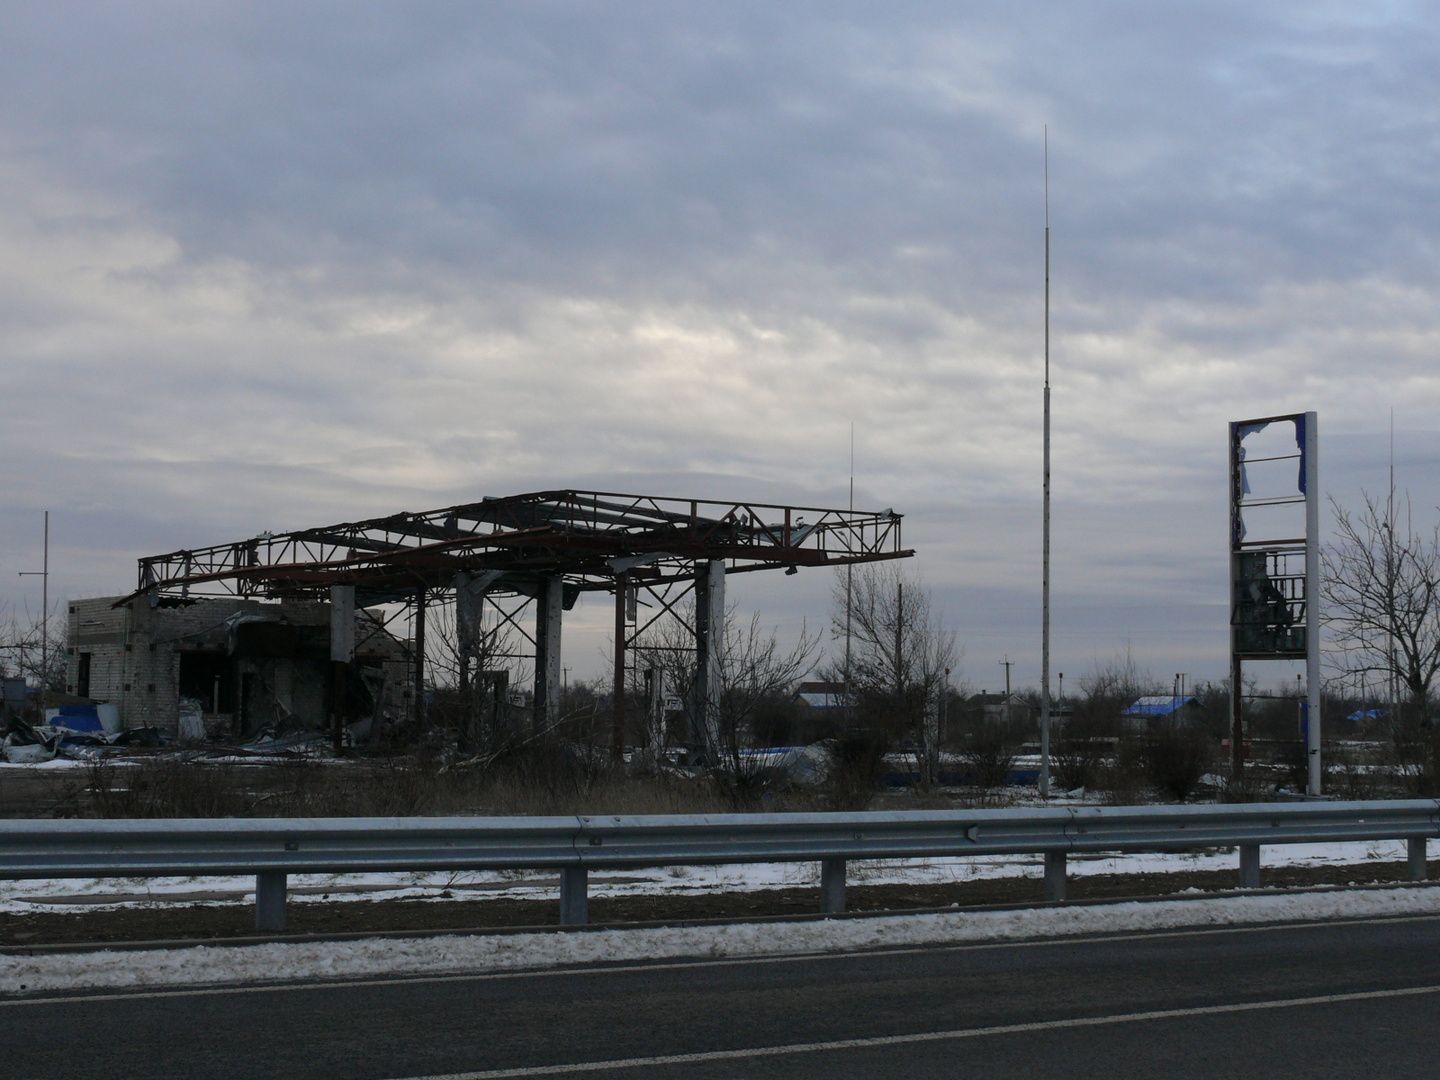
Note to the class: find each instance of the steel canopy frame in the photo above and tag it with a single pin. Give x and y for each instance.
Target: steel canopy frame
(547, 546)
(584, 537)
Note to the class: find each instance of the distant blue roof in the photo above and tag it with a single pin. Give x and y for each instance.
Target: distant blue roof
(1366, 714)
(1160, 706)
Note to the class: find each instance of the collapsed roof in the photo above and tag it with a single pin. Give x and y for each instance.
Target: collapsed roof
(585, 538)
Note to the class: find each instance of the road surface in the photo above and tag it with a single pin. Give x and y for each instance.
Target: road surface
(1347, 999)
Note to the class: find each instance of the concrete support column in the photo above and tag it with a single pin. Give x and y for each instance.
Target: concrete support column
(655, 710)
(270, 888)
(617, 735)
(1237, 716)
(342, 653)
(832, 885)
(469, 606)
(1055, 876)
(419, 703)
(1415, 858)
(574, 896)
(549, 608)
(709, 646)
(1249, 866)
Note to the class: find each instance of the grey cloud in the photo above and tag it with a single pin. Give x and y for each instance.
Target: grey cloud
(310, 262)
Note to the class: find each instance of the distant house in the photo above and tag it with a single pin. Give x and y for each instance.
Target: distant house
(818, 711)
(997, 708)
(1161, 708)
(821, 695)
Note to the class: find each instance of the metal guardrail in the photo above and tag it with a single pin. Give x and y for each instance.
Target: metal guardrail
(272, 849)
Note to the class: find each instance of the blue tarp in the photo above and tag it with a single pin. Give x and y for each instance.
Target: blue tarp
(1160, 706)
(83, 718)
(1366, 714)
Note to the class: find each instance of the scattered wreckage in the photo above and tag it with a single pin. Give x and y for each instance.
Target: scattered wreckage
(89, 732)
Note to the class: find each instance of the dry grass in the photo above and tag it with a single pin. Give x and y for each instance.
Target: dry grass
(176, 786)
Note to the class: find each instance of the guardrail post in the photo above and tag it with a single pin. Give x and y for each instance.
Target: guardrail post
(1415, 857)
(1055, 875)
(270, 900)
(574, 896)
(1249, 866)
(832, 885)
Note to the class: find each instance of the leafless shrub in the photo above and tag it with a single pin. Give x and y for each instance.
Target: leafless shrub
(989, 755)
(1177, 756)
(859, 758)
(1079, 755)
(1123, 779)
(1347, 777)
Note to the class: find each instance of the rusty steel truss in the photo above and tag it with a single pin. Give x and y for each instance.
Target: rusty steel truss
(540, 550)
(584, 537)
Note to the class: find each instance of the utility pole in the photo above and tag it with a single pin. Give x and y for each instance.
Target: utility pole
(44, 575)
(944, 707)
(1007, 663)
(899, 641)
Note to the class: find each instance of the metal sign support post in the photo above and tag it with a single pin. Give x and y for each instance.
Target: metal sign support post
(1275, 573)
(1312, 607)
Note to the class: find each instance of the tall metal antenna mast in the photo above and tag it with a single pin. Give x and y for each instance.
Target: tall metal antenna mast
(849, 577)
(1392, 687)
(1045, 542)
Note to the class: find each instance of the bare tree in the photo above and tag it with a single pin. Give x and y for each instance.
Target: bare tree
(1110, 686)
(1381, 590)
(474, 662)
(750, 669)
(899, 653)
(1380, 585)
(21, 654)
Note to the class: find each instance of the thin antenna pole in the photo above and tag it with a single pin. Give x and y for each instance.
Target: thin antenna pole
(1390, 573)
(1045, 541)
(45, 619)
(849, 577)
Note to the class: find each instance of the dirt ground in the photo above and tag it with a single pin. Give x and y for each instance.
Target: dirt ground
(228, 920)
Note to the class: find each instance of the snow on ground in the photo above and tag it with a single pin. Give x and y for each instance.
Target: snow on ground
(59, 764)
(389, 957)
(60, 894)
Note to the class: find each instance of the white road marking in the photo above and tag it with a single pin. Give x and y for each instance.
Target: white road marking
(923, 1037)
(669, 965)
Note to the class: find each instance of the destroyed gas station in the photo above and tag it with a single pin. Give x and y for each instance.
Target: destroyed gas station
(304, 624)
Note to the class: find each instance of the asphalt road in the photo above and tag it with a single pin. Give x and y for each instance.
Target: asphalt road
(1350, 999)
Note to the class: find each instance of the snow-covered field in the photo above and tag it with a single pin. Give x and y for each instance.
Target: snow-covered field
(389, 958)
(59, 894)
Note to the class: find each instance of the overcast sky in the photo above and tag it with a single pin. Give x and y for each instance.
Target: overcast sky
(276, 265)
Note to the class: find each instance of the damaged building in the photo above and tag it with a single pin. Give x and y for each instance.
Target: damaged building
(276, 627)
(231, 664)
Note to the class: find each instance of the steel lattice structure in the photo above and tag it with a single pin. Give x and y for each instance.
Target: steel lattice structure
(584, 537)
(540, 550)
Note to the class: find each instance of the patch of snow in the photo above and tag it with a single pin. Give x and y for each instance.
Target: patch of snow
(47, 894)
(383, 957)
(42, 766)
(50, 894)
